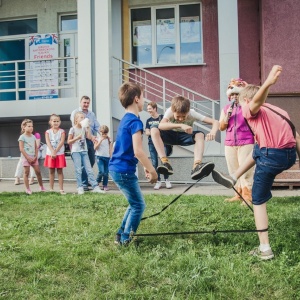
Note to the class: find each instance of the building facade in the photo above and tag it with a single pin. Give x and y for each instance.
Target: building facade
(200, 45)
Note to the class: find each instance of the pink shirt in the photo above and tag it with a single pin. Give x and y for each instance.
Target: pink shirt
(270, 129)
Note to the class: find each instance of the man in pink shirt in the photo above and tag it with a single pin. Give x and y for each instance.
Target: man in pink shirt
(274, 152)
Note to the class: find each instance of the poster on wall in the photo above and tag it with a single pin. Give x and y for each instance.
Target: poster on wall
(190, 29)
(43, 71)
(165, 31)
(141, 33)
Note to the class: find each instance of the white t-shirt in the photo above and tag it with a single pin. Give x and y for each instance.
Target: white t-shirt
(55, 139)
(79, 145)
(103, 149)
(190, 118)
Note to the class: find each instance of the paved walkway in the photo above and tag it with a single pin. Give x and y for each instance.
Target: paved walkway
(200, 189)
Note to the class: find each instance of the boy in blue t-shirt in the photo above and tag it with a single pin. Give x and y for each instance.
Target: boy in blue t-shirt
(127, 152)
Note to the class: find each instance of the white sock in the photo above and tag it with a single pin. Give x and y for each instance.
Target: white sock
(264, 247)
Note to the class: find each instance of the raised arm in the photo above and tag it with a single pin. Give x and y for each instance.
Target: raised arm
(261, 95)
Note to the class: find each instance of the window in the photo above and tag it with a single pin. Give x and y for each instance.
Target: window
(18, 27)
(68, 23)
(167, 35)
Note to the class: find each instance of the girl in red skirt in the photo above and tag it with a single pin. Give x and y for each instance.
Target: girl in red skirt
(55, 154)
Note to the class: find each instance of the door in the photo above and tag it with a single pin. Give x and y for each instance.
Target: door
(67, 66)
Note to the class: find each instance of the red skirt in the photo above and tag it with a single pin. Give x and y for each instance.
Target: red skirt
(58, 162)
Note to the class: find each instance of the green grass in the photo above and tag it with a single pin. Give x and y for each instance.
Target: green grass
(61, 247)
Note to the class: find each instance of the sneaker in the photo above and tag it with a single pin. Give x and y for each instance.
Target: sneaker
(168, 184)
(86, 188)
(17, 181)
(262, 255)
(97, 189)
(28, 192)
(62, 192)
(165, 169)
(80, 190)
(222, 179)
(157, 185)
(118, 239)
(105, 188)
(42, 189)
(202, 170)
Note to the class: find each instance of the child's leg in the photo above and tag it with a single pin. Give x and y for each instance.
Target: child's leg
(51, 178)
(88, 169)
(60, 176)
(105, 171)
(129, 186)
(158, 142)
(199, 147)
(261, 222)
(25, 177)
(38, 174)
(100, 169)
(76, 157)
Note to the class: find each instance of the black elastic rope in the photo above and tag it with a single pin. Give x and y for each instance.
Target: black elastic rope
(174, 200)
(243, 199)
(203, 232)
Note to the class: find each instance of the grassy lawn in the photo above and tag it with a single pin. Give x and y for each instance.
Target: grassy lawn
(61, 247)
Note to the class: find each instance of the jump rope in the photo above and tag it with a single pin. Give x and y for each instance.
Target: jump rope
(214, 232)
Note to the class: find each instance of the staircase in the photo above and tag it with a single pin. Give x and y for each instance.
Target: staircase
(289, 178)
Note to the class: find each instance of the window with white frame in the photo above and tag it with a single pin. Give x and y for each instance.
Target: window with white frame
(166, 35)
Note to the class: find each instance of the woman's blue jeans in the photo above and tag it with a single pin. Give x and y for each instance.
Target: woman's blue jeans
(82, 159)
(129, 186)
(102, 163)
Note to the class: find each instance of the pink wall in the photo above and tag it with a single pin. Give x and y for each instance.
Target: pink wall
(249, 39)
(202, 79)
(281, 42)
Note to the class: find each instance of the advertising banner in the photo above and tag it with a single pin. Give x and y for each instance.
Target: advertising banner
(43, 73)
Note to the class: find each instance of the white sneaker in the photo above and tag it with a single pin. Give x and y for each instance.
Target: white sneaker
(168, 184)
(97, 189)
(157, 185)
(80, 191)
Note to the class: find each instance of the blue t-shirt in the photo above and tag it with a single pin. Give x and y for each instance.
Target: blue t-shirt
(123, 159)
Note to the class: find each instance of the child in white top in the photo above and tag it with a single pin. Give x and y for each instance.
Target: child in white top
(29, 154)
(103, 147)
(79, 153)
(55, 153)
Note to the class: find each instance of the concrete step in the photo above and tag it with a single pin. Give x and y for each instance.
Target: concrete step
(289, 178)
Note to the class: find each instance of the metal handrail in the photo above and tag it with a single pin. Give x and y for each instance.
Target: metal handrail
(162, 90)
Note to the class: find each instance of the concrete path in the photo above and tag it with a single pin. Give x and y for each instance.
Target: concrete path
(200, 189)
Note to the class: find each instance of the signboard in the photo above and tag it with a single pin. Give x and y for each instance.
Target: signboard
(43, 73)
(141, 33)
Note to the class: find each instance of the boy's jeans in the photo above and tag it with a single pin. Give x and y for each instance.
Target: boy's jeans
(102, 163)
(81, 159)
(154, 160)
(129, 186)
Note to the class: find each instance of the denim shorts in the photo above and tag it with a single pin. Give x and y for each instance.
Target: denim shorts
(269, 163)
(172, 137)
